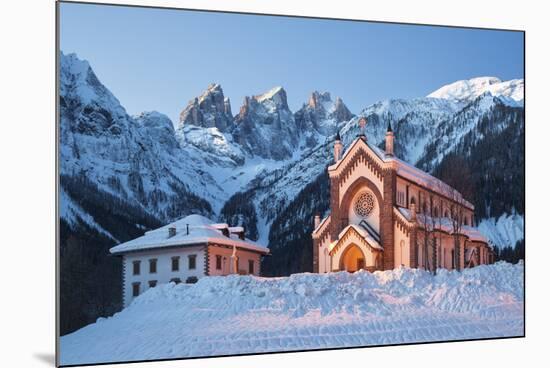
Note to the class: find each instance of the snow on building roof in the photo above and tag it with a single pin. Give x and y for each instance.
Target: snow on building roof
(321, 224)
(201, 230)
(445, 224)
(364, 233)
(236, 229)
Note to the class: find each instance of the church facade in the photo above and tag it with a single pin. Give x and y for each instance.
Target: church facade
(386, 213)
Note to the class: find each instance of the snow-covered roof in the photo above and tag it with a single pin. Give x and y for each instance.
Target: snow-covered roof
(321, 224)
(364, 233)
(236, 229)
(445, 224)
(201, 230)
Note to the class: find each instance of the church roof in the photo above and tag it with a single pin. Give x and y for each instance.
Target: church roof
(364, 234)
(201, 230)
(445, 224)
(407, 171)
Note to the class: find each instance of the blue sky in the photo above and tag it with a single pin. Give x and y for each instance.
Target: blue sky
(156, 59)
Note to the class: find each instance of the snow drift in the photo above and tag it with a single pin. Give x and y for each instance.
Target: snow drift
(245, 314)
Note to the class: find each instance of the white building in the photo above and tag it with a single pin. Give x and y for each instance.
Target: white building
(184, 251)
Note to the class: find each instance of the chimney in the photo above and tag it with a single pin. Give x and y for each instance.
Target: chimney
(413, 210)
(171, 231)
(389, 141)
(317, 221)
(337, 148)
(241, 235)
(362, 125)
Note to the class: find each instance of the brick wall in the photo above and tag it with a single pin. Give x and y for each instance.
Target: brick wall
(386, 218)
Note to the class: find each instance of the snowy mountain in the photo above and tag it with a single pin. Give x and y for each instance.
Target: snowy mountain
(505, 231)
(321, 117)
(468, 90)
(209, 110)
(413, 122)
(265, 126)
(136, 159)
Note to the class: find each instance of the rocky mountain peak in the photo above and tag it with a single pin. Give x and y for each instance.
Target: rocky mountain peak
(210, 109)
(263, 118)
(340, 111)
(317, 99)
(276, 96)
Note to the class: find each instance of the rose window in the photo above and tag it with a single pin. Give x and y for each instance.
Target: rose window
(364, 205)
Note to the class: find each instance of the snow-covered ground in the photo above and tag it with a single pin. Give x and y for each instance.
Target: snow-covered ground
(244, 314)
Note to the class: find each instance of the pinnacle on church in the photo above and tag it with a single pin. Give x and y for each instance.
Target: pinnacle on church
(338, 136)
(362, 124)
(389, 127)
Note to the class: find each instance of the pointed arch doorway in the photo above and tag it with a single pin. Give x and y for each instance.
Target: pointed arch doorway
(352, 259)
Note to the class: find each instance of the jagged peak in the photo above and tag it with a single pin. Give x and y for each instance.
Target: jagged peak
(214, 87)
(73, 62)
(317, 99)
(77, 78)
(211, 90)
(210, 109)
(275, 94)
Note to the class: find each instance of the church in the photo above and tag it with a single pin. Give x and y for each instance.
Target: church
(386, 213)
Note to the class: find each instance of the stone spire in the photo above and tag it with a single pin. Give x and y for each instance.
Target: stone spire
(389, 141)
(362, 125)
(338, 148)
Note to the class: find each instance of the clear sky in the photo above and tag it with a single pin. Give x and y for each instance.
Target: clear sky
(159, 59)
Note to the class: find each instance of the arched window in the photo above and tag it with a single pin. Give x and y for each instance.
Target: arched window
(465, 221)
(436, 212)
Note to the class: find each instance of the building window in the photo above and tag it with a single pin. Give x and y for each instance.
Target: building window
(153, 265)
(135, 289)
(152, 283)
(401, 198)
(250, 266)
(136, 268)
(175, 280)
(192, 261)
(364, 205)
(175, 263)
(218, 262)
